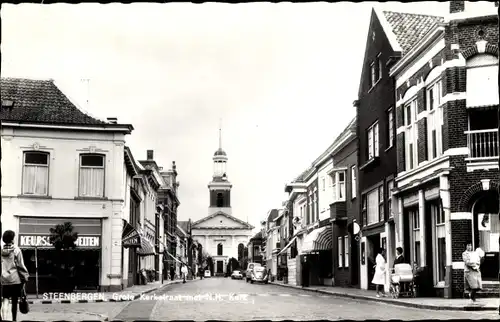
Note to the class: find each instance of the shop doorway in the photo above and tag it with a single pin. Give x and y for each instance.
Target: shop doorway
(486, 233)
(372, 248)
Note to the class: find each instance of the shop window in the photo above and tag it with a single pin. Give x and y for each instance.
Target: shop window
(340, 250)
(36, 173)
(390, 186)
(91, 175)
(346, 251)
(381, 203)
(373, 207)
(364, 210)
(417, 253)
(415, 234)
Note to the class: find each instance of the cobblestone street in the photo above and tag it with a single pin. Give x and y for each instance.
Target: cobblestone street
(238, 301)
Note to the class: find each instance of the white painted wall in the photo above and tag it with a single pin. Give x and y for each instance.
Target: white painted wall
(230, 239)
(64, 149)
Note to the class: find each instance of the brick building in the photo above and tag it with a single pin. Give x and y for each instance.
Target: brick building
(344, 211)
(447, 142)
(376, 150)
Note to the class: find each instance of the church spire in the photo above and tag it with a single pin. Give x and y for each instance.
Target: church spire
(220, 134)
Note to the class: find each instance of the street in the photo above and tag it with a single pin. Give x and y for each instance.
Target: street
(240, 301)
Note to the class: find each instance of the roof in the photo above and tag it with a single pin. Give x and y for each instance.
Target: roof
(244, 224)
(219, 152)
(409, 28)
(349, 129)
(41, 101)
(257, 236)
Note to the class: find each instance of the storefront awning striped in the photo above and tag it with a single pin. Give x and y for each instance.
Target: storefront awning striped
(147, 248)
(318, 239)
(130, 236)
(287, 246)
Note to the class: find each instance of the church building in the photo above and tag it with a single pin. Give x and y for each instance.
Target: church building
(222, 235)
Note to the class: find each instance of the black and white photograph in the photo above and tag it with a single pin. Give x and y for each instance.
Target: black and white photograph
(250, 161)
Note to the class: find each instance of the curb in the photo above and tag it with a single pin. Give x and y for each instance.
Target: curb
(393, 301)
(123, 298)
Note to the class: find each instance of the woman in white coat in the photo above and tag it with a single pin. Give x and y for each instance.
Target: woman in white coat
(379, 276)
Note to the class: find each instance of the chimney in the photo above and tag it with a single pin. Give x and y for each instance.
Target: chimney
(150, 154)
(112, 120)
(457, 6)
(174, 167)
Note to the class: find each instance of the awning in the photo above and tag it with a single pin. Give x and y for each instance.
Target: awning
(147, 247)
(287, 245)
(130, 236)
(318, 239)
(176, 259)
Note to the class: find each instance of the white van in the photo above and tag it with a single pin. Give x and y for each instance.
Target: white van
(248, 275)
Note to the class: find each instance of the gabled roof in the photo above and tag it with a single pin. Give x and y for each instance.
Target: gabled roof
(42, 102)
(409, 28)
(245, 224)
(257, 236)
(349, 129)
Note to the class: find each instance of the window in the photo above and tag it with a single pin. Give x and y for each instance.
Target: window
(323, 184)
(390, 186)
(346, 251)
(338, 185)
(381, 203)
(220, 200)
(373, 207)
(340, 249)
(411, 134)
(380, 67)
(482, 80)
(373, 73)
(390, 128)
(415, 234)
(434, 120)
(354, 182)
(219, 250)
(373, 141)
(91, 175)
(36, 173)
(364, 213)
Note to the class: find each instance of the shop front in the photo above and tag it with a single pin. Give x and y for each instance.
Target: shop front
(316, 257)
(65, 270)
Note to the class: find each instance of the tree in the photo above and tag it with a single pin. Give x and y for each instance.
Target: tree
(64, 238)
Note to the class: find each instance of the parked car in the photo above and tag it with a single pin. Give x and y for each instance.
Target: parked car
(236, 275)
(250, 267)
(207, 273)
(259, 274)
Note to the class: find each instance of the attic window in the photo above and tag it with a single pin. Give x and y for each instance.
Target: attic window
(7, 103)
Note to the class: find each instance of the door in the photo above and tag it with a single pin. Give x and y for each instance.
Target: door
(220, 267)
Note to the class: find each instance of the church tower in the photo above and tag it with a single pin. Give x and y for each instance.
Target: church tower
(220, 187)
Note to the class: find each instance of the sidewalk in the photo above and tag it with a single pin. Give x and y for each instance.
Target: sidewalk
(434, 303)
(128, 294)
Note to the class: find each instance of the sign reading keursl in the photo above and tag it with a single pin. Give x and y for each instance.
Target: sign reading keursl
(44, 241)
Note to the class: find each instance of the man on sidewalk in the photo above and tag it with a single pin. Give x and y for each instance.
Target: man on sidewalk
(184, 272)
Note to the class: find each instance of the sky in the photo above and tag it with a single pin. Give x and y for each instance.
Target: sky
(281, 77)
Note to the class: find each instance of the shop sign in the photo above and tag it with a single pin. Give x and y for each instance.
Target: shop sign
(44, 241)
(133, 241)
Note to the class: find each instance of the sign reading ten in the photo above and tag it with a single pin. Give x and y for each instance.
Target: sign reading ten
(44, 241)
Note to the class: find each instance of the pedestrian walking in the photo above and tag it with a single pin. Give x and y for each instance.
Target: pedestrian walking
(184, 271)
(172, 273)
(472, 272)
(379, 276)
(14, 275)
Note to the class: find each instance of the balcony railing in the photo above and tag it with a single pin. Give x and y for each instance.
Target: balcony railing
(482, 144)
